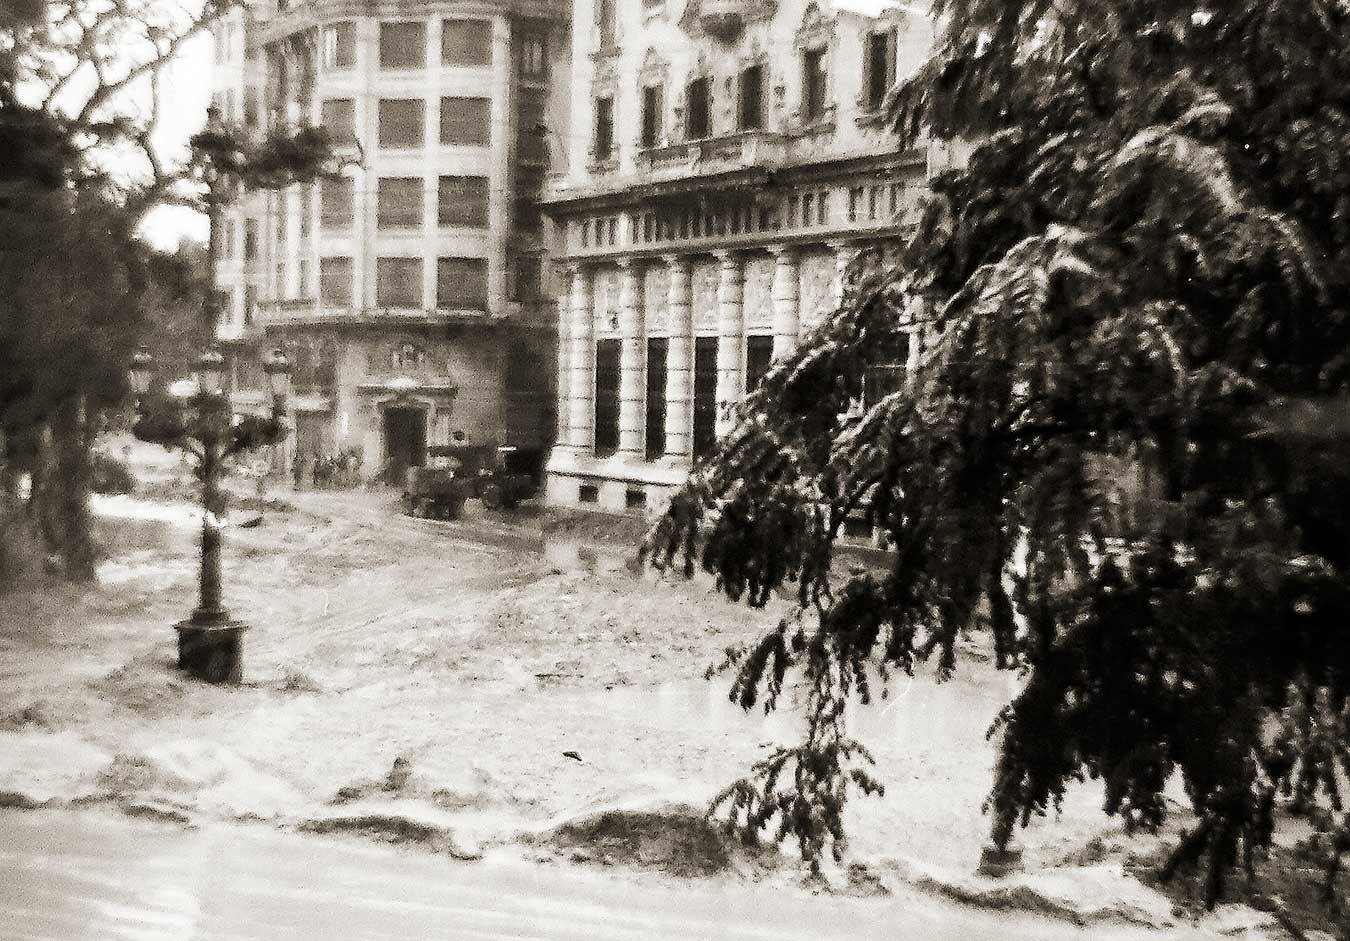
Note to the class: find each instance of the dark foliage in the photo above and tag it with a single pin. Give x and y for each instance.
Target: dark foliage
(1143, 265)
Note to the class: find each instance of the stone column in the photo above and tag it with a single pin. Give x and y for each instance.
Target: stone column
(679, 364)
(631, 357)
(844, 253)
(581, 386)
(731, 337)
(787, 318)
(562, 397)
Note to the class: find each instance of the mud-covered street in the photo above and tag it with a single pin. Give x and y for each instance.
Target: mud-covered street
(482, 691)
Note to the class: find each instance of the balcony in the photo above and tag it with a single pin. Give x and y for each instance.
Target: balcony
(711, 154)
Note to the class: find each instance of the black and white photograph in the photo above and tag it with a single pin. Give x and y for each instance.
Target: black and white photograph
(762, 470)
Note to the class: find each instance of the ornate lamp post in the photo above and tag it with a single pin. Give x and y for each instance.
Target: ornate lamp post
(210, 642)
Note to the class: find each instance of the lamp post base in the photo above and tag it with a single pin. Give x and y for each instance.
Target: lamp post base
(211, 646)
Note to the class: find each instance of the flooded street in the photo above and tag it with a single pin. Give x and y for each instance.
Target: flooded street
(516, 709)
(75, 875)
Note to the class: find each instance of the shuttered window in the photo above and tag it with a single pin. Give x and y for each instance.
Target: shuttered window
(465, 121)
(462, 201)
(461, 283)
(758, 356)
(657, 353)
(335, 203)
(403, 45)
(398, 282)
(402, 122)
(698, 102)
(752, 98)
(531, 124)
(339, 120)
(651, 115)
(813, 85)
(604, 127)
(466, 42)
(398, 203)
(606, 397)
(705, 395)
(879, 67)
(335, 282)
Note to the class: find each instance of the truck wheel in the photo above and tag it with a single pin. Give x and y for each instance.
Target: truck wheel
(492, 497)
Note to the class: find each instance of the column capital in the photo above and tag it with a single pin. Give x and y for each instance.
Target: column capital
(839, 245)
(728, 257)
(676, 260)
(783, 251)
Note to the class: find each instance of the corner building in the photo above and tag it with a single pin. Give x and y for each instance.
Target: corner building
(412, 293)
(729, 160)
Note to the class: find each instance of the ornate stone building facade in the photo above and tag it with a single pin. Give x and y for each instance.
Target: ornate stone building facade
(729, 159)
(411, 293)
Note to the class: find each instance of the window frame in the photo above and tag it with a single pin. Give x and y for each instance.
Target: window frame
(416, 263)
(483, 140)
(475, 220)
(476, 58)
(602, 118)
(384, 123)
(745, 121)
(705, 110)
(383, 48)
(653, 114)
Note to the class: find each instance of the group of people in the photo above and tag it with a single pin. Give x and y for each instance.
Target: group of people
(341, 471)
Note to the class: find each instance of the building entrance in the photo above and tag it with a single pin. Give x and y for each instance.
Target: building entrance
(405, 441)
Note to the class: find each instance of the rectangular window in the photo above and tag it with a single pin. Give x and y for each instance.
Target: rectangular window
(606, 397)
(705, 395)
(657, 350)
(461, 283)
(335, 203)
(697, 111)
(339, 120)
(758, 357)
(651, 115)
(339, 45)
(398, 203)
(813, 85)
(529, 187)
(528, 283)
(398, 282)
(402, 122)
(466, 42)
(303, 276)
(250, 303)
(531, 126)
(251, 107)
(464, 121)
(532, 55)
(403, 45)
(604, 127)
(879, 68)
(606, 19)
(462, 201)
(250, 239)
(752, 98)
(335, 282)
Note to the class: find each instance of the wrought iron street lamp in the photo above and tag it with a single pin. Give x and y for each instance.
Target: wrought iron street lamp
(210, 642)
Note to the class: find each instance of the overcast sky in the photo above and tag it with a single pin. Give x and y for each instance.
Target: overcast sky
(187, 92)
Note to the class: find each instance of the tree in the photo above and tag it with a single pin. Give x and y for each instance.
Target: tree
(79, 283)
(1145, 263)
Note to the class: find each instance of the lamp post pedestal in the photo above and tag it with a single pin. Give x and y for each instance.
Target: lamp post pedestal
(211, 646)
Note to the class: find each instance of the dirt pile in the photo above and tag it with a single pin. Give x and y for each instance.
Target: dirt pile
(674, 838)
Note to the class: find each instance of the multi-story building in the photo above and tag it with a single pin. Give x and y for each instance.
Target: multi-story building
(412, 292)
(729, 159)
